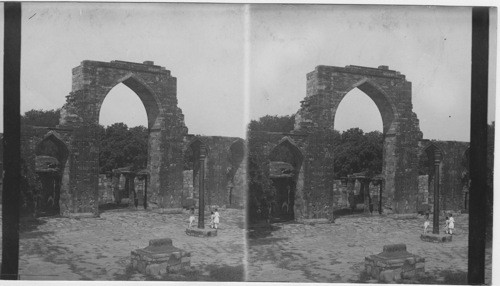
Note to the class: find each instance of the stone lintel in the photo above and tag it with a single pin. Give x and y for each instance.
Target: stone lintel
(140, 67)
(359, 70)
(201, 232)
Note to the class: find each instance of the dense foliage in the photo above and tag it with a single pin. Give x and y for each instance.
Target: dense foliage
(273, 123)
(359, 152)
(46, 118)
(121, 146)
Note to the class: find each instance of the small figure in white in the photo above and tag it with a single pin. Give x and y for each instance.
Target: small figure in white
(426, 225)
(447, 225)
(451, 224)
(216, 219)
(212, 217)
(192, 218)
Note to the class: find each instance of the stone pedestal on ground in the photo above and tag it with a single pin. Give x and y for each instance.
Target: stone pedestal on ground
(201, 232)
(430, 237)
(394, 264)
(159, 258)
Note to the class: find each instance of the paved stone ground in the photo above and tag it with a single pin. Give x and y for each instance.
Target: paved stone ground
(336, 252)
(59, 248)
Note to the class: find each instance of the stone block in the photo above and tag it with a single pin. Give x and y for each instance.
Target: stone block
(393, 264)
(201, 232)
(436, 237)
(160, 257)
(386, 276)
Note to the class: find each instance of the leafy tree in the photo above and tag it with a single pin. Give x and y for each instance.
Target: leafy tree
(46, 118)
(359, 152)
(122, 147)
(273, 123)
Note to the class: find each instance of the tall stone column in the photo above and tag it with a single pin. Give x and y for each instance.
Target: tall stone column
(201, 177)
(435, 220)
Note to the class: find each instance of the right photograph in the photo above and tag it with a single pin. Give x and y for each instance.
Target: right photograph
(359, 143)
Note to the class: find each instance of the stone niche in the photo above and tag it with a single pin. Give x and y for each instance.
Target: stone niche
(394, 264)
(160, 257)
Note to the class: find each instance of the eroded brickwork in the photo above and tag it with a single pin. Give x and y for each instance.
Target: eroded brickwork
(453, 173)
(157, 90)
(225, 171)
(326, 87)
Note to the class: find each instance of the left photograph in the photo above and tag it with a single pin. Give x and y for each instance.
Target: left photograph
(132, 142)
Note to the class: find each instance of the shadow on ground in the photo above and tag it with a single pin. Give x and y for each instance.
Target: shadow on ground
(215, 273)
(261, 229)
(112, 206)
(29, 224)
(445, 277)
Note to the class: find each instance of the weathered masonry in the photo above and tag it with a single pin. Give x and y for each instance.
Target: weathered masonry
(66, 158)
(303, 172)
(157, 90)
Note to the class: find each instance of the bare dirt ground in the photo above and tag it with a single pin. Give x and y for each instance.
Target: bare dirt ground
(335, 252)
(56, 248)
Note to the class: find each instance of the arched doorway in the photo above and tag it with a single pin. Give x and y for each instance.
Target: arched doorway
(123, 142)
(358, 157)
(50, 166)
(285, 162)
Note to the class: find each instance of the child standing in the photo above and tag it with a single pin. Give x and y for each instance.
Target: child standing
(451, 224)
(447, 225)
(216, 219)
(192, 218)
(426, 225)
(212, 217)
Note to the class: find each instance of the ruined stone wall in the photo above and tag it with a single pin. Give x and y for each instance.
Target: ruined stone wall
(326, 88)
(452, 171)
(157, 90)
(105, 189)
(219, 174)
(260, 146)
(423, 190)
(31, 137)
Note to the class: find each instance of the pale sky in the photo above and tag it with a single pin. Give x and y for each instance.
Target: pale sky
(430, 45)
(203, 46)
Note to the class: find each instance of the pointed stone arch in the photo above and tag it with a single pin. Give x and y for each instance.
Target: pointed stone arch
(391, 93)
(157, 89)
(145, 93)
(52, 169)
(288, 143)
(284, 173)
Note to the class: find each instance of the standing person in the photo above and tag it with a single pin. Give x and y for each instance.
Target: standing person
(216, 219)
(451, 224)
(192, 218)
(212, 218)
(446, 227)
(426, 225)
